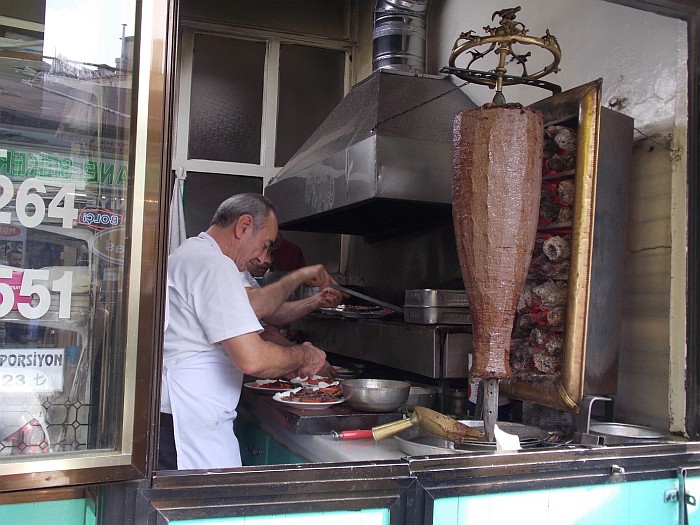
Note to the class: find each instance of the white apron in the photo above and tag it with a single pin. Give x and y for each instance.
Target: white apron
(202, 393)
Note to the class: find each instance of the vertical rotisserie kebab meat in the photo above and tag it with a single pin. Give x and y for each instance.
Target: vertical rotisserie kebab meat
(497, 177)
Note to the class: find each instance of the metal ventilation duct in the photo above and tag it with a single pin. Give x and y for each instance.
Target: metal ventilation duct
(398, 39)
(380, 163)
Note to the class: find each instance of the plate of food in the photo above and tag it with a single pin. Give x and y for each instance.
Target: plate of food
(315, 381)
(270, 386)
(354, 311)
(331, 311)
(308, 398)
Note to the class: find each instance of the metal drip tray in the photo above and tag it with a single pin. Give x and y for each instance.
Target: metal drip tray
(622, 433)
(416, 442)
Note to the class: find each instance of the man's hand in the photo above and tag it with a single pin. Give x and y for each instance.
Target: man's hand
(314, 360)
(266, 300)
(328, 298)
(327, 370)
(316, 275)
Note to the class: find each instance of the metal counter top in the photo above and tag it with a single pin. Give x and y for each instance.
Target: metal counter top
(324, 449)
(310, 421)
(318, 447)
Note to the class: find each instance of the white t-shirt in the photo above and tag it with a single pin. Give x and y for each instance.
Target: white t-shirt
(201, 386)
(248, 280)
(207, 301)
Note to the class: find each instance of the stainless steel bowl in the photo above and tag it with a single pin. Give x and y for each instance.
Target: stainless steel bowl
(375, 395)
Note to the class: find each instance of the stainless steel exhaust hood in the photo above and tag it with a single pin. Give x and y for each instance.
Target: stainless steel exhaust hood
(380, 163)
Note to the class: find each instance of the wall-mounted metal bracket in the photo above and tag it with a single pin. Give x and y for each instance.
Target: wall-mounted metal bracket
(583, 423)
(681, 496)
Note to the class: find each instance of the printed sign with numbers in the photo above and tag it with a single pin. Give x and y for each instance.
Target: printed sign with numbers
(31, 369)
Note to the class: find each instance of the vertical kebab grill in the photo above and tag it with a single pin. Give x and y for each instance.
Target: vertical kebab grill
(497, 177)
(496, 194)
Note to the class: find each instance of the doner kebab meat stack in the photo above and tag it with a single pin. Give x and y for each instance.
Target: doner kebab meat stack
(497, 177)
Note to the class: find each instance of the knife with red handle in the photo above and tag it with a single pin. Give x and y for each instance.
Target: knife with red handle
(352, 434)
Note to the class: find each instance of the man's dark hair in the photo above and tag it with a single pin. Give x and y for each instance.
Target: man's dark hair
(234, 207)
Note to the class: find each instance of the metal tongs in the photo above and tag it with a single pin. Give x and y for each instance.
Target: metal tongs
(383, 304)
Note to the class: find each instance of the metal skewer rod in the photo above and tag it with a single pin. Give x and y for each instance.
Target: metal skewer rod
(490, 408)
(383, 304)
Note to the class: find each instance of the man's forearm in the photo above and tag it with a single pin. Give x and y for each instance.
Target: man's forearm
(291, 311)
(256, 357)
(270, 297)
(273, 335)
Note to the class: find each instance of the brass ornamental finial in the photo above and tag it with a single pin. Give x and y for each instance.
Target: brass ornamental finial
(500, 40)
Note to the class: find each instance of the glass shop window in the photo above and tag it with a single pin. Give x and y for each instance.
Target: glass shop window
(65, 115)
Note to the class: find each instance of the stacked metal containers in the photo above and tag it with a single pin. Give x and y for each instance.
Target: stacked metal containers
(436, 307)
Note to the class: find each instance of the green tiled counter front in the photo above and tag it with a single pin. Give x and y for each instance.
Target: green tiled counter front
(631, 503)
(260, 448)
(61, 512)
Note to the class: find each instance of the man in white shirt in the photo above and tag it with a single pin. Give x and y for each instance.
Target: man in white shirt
(212, 336)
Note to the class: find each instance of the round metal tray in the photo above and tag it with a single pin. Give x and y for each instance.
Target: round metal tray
(621, 433)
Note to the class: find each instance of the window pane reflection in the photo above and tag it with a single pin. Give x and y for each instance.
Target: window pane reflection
(311, 85)
(227, 99)
(65, 106)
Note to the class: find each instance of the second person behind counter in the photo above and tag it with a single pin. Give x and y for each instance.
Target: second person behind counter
(288, 256)
(262, 298)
